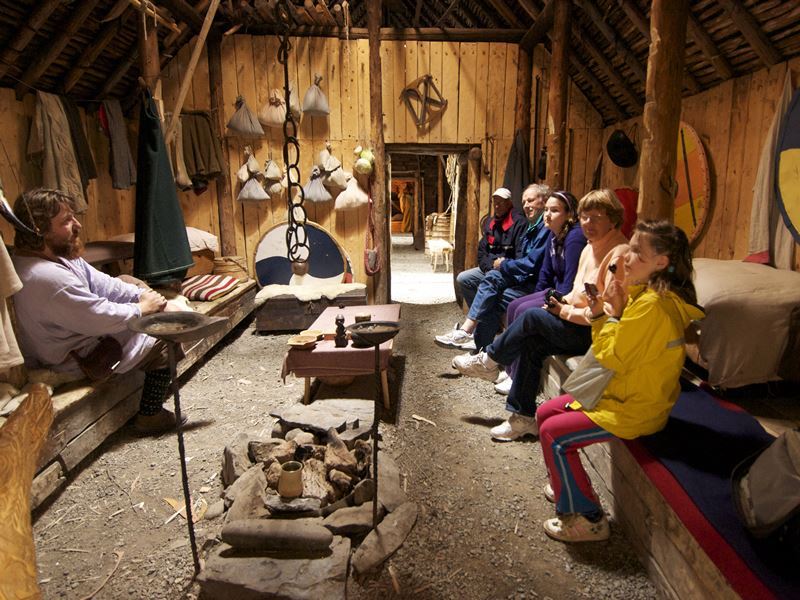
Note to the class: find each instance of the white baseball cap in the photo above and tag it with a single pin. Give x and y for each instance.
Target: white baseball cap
(503, 193)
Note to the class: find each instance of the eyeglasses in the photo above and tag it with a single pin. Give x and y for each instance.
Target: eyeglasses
(586, 218)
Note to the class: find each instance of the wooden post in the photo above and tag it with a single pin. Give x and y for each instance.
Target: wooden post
(440, 187)
(662, 109)
(150, 63)
(472, 210)
(227, 228)
(522, 107)
(380, 279)
(557, 96)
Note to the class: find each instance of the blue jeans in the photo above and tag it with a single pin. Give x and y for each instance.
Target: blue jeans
(532, 337)
(469, 281)
(494, 295)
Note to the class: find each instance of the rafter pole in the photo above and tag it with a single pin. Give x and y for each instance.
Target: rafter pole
(183, 11)
(636, 17)
(529, 7)
(508, 15)
(662, 109)
(25, 33)
(90, 54)
(609, 71)
(380, 213)
(599, 88)
(557, 96)
(132, 54)
(51, 50)
(751, 31)
(700, 36)
(446, 13)
(540, 28)
(417, 12)
(149, 62)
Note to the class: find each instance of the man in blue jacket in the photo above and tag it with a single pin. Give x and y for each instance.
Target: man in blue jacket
(520, 266)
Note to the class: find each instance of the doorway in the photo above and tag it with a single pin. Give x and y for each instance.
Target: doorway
(424, 185)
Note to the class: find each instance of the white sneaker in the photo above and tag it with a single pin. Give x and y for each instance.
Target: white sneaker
(504, 387)
(456, 338)
(476, 365)
(577, 528)
(501, 377)
(549, 493)
(516, 427)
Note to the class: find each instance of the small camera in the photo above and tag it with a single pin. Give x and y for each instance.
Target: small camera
(552, 296)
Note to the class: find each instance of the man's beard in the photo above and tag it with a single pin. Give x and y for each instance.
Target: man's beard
(69, 250)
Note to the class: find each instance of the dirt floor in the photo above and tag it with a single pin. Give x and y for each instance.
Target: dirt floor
(479, 532)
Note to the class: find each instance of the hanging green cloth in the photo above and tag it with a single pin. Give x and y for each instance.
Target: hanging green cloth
(161, 249)
(518, 171)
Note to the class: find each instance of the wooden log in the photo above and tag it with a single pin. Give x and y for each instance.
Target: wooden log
(156, 13)
(636, 17)
(183, 11)
(751, 31)
(700, 36)
(599, 88)
(417, 13)
(227, 225)
(540, 28)
(557, 96)
(21, 438)
(91, 52)
(149, 62)
(380, 212)
(611, 73)
(51, 50)
(522, 106)
(337, 15)
(439, 185)
(662, 109)
(472, 209)
(264, 10)
(122, 69)
(502, 8)
(445, 14)
(187, 77)
(423, 34)
(25, 33)
(324, 15)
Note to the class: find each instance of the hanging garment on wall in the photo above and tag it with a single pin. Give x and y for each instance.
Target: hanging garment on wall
(273, 113)
(244, 123)
(315, 103)
(83, 153)
(314, 190)
(518, 173)
(122, 167)
(202, 152)
(50, 147)
(10, 284)
(352, 197)
(161, 247)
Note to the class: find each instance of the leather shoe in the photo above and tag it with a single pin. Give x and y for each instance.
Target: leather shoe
(162, 421)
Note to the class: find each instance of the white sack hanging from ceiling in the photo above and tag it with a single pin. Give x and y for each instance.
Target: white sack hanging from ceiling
(314, 190)
(314, 102)
(252, 190)
(244, 123)
(273, 113)
(353, 197)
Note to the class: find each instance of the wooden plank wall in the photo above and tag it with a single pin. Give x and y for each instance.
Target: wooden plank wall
(732, 119)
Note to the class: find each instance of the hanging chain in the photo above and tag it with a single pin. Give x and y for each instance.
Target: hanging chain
(296, 236)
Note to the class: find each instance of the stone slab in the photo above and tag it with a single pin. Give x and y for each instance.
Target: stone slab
(278, 534)
(353, 521)
(384, 541)
(322, 415)
(390, 492)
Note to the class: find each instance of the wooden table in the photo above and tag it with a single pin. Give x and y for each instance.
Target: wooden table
(326, 360)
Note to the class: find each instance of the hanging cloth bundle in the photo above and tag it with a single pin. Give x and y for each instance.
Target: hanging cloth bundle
(314, 190)
(372, 252)
(333, 176)
(315, 103)
(273, 113)
(294, 104)
(243, 122)
(249, 168)
(352, 197)
(272, 178)
(248, 174)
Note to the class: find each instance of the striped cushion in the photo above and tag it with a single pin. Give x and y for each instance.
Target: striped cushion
(208, 287)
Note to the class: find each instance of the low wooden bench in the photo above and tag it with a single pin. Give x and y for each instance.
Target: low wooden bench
(86, 414)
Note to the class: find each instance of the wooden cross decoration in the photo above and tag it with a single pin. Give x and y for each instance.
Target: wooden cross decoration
(424, 93)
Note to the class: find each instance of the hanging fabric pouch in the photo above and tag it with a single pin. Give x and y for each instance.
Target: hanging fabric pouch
(337, 180)
(352, 197)
(314, 102)
(588, 381)
(272, 172)
(294, 104)
(372, 252)
(252, 191)
(243, 174)
(314, 190)
(273, 113)
(244, 123)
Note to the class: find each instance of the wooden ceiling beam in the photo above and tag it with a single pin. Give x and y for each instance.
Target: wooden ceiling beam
(611, 73)
(417, 12)
(131, 55)
(697, 33)
(605, 96)
(25, 33)
(91, 52)
(183, 11)
(506, 13)
(529, 7)
(752, 32)
(446, 13)
(45, 57)
(635, 16)
(541, 26)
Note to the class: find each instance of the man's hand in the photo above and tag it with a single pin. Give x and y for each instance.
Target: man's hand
(497, 261)
(151, 302)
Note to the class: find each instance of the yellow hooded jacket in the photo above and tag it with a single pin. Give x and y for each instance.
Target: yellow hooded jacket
(645, 351)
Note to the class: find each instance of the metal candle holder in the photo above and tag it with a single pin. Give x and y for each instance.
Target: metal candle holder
(175, 328)
(374, 333)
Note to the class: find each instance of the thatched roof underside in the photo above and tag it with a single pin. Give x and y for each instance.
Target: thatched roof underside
(88, 48)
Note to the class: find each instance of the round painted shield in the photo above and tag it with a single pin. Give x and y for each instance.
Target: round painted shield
(693, 200)
(787, 168)
(327, 260)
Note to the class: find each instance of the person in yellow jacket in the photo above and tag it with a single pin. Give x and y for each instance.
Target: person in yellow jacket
(637, 332)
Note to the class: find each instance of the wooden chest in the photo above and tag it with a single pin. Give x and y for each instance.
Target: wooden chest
(287, 313)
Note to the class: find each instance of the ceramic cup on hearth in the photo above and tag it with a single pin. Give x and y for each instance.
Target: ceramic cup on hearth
(290, 484)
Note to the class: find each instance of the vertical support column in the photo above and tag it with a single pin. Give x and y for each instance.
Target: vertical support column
(380, 279)
(227, 229)
(557, 96)
(522, 108)
(148, 54)
(472, 208)
(439, 186)
(662, 109)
